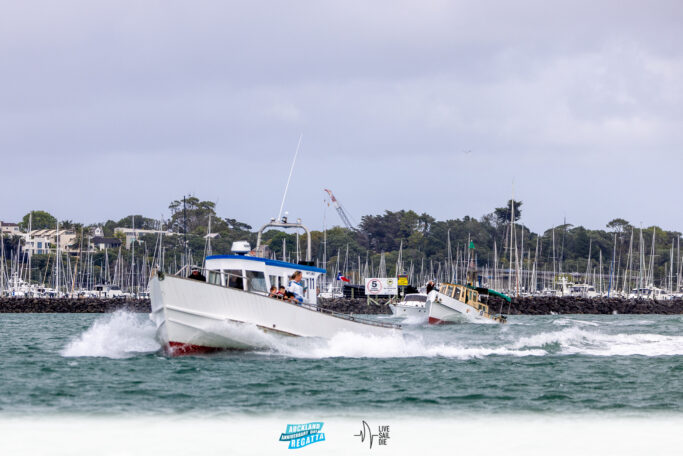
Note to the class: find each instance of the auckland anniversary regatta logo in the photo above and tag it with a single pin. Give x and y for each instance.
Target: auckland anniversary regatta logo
(300, 435)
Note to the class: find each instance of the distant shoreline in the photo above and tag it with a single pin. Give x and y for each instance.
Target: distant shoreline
(520, 306)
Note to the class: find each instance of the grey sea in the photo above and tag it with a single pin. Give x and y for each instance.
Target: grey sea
(89, 368)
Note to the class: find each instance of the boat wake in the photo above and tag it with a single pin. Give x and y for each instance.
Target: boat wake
(125, 334)
(118, 335)
(351, 345)
(580, 341)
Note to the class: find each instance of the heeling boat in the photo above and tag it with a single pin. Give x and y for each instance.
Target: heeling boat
(231, 308)
(453, 302)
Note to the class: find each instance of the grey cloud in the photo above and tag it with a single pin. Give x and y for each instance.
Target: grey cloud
(146, 100)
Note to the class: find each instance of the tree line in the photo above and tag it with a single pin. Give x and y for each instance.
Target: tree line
(500, 235)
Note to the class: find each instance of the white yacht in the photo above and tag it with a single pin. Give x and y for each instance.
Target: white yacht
(581, 290)
(107, 291)
(413, 305)
(332, 292)
(232, 308)
(648, 292)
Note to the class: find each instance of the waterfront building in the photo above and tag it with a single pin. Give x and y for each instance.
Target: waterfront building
(41, 242)
(133, 234)
(10, 229)
(102, 243)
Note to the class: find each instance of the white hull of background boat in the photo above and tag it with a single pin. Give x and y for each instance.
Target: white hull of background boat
(194, 316)
(411, 312)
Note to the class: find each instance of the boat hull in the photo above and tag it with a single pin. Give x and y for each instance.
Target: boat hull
(410, 312)
(447, 311)
(194, 317)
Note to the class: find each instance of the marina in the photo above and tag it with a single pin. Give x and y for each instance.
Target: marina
(341, 228)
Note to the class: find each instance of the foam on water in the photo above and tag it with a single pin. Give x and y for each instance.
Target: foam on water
(352, 345)
(124, 334)
(414, 320)
(576, 340)
(572, 321)
(118, 335)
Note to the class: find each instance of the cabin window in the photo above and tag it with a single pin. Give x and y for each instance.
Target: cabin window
(234, 278)
(449, 290)
(310, 285)
(256, 281)
(273, 281)
(456, 295)
(443, 289)
(215, 277)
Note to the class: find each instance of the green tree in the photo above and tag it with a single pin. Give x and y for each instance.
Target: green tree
(618, 225)
(40, 220)
(190, 213)
(140, 222)
(503, 214)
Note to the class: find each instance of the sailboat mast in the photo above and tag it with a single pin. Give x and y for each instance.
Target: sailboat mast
(57, 261)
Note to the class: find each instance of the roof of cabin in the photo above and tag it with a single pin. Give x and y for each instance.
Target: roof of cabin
(276, 263)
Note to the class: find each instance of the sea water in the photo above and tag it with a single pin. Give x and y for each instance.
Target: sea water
(523, 376)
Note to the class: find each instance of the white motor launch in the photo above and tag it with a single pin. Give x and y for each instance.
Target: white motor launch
(229, 306)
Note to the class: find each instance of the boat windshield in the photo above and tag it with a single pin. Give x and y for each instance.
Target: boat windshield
(415, 298)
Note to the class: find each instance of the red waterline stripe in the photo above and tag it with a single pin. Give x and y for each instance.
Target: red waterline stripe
(436, 321)
(180, 349)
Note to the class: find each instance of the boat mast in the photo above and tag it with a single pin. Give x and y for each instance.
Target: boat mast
(2, 261)
(678, 258)
(30, 220)
(57, 261)
(291, 170)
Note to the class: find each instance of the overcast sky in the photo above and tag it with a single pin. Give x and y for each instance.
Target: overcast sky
(113, 108)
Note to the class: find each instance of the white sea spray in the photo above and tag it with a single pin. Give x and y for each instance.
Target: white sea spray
(121, 334)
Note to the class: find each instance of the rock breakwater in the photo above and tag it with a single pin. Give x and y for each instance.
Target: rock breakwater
(66, 305)
(539, 305)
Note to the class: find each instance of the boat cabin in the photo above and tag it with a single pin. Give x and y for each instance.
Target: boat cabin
(475, 297)
(464, 294)
(245, 271)
(257, 275)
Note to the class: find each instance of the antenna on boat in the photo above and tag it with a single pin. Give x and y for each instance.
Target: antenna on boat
(291, 170)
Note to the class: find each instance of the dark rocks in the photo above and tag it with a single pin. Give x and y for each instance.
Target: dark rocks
(538, 305)
(355, 306)
(544, 305)
(66, 305)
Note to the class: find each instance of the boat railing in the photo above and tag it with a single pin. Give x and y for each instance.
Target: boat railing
(305, 305)
(349, 316)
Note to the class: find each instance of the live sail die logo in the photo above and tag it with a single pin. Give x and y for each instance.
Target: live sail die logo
(366, 434)
(301, 435)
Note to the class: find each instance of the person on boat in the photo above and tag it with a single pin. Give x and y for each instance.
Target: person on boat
(296, 287)
(273, 292)
(196, 275)
(431, 291)
(281, 292)
(430, 286)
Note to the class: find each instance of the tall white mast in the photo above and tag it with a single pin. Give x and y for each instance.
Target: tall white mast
(57, 261)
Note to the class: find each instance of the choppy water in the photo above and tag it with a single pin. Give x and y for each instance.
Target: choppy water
(111, 364)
